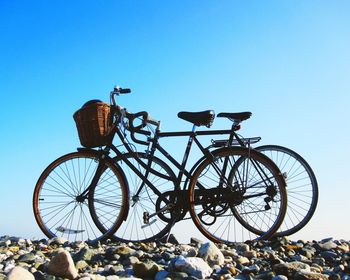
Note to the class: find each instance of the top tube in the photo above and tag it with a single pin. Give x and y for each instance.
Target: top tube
(196, 133)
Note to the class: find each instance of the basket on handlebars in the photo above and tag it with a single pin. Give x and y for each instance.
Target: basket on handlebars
(93, 123)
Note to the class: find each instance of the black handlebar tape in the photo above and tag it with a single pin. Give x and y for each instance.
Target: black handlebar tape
(144, 132)
(124, 90)
(132, 117)
(132, 135)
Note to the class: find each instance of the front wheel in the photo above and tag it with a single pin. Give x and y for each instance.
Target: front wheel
(237, 191)
(148, 218)
(59, 208)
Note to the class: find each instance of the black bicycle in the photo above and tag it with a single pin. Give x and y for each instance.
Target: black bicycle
(232, 193)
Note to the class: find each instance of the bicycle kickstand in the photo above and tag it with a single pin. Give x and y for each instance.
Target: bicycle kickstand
(169, 233)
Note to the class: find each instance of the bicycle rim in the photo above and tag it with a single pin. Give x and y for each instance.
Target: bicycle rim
(302, 188)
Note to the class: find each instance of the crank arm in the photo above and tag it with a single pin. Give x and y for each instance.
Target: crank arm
(166, 207)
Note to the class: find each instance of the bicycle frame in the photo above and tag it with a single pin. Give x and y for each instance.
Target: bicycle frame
(156, 146)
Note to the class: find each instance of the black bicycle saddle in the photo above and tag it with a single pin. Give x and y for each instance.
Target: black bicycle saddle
(205, 118)
(236, 116)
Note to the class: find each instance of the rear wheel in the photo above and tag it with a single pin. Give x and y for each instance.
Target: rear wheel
(302, 188)
(58, 206)
(236, 192)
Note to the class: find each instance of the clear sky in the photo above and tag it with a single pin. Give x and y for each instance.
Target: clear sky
(286, 61)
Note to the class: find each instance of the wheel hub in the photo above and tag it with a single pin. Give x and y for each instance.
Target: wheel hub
(80, 198)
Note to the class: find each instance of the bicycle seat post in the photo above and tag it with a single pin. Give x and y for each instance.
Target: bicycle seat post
(194, 128)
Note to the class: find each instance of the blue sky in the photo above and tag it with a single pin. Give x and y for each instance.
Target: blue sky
(286, 61)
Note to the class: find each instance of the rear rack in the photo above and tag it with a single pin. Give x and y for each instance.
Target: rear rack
(224, 143)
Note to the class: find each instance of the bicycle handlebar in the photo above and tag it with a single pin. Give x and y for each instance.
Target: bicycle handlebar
(116, 91)
(146, 118)
(152, 121)
(132, 117)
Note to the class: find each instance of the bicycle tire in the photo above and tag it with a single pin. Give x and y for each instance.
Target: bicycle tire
(134, 228)
(55, 200)
(302, 187)
(223, 204)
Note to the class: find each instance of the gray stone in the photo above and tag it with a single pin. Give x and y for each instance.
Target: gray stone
(343, 247)
(230, 253)
(251, 269)
(112, 277)
(9, 267)
(97, 277)
(27, 258)
(193, 266)
(124, 251)
(289, 269)
(266, 275)
(196, 241)
(320, 261)
(303, 275)
(39, 275)
(243, 260)
(138, 254)
(57, 241)
(161, 275)
(62, 265)
(192, 252)
(147, 269)
(327, 245)
(188, 251)
(132, 260)
(85, 254)
(211, 254)
(329, 255)
(250, 254)
(80, 265)
(280, 277)
(316, 268)
(19, 273)
(242, 247)
(307, 252)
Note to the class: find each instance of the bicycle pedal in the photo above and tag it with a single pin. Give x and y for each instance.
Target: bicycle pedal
(68, 230)
(146, 218)
(149, 223)
(267, 207)
(267, 201)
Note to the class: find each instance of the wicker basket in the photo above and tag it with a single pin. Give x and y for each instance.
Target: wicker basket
(93, 124)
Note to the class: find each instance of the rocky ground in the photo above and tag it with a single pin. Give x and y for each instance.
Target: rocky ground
(56, 258)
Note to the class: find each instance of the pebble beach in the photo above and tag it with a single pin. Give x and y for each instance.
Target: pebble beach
(278, 259)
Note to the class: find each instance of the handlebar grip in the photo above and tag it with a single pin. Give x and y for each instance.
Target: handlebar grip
(118, 90)
(124, 90)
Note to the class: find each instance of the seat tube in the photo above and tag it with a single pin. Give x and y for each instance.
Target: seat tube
(149, 164)
(186, 154)
(226, 160)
